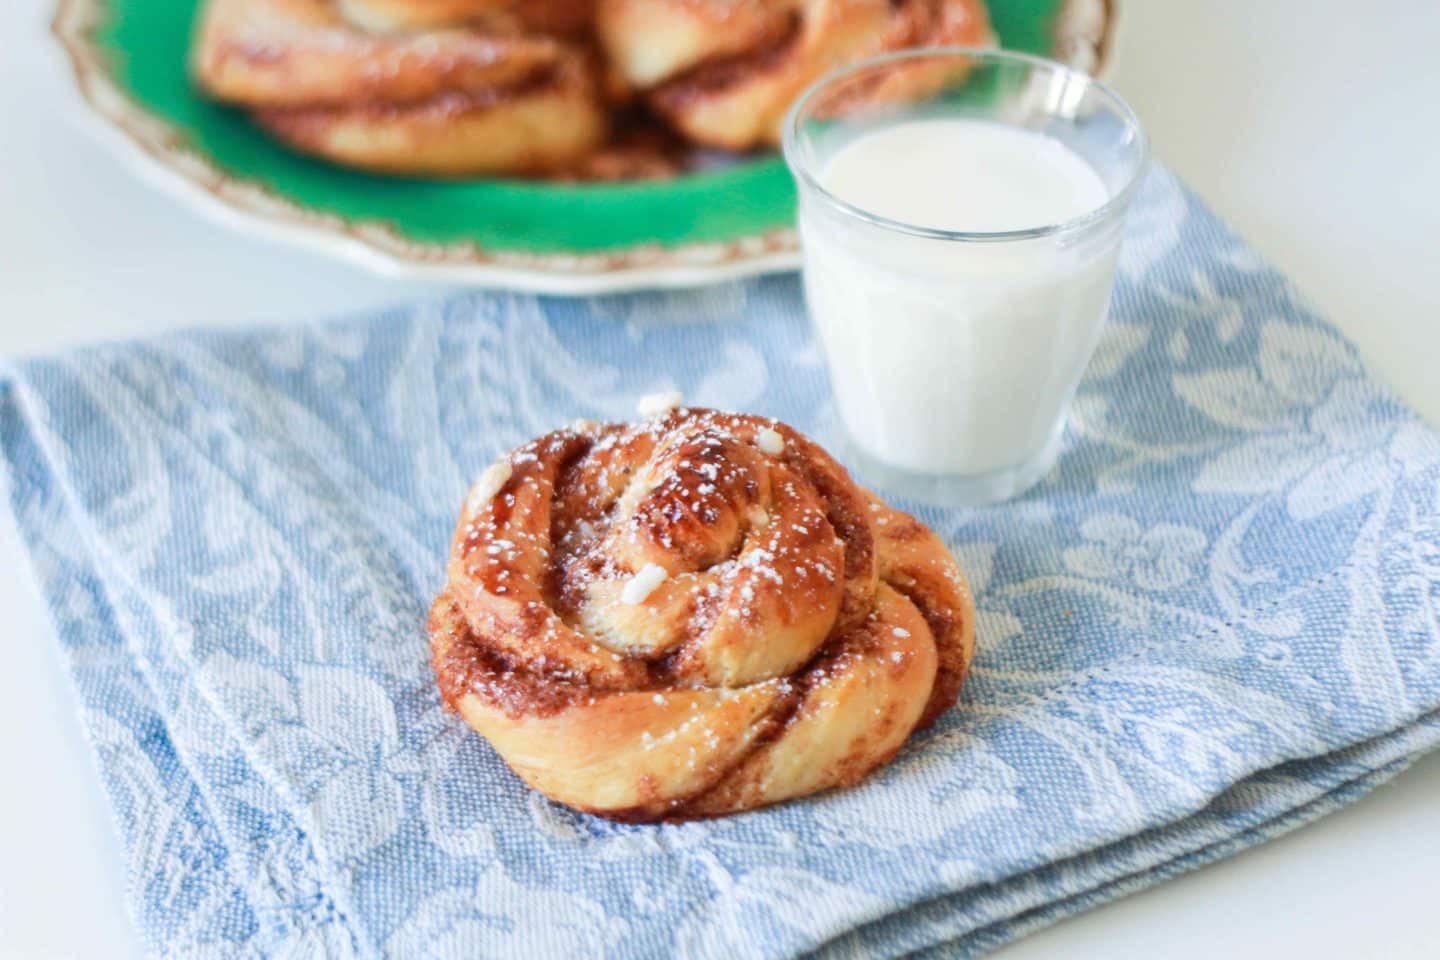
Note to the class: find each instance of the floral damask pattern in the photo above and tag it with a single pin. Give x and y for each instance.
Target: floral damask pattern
(1117, 548)
(1235, 565)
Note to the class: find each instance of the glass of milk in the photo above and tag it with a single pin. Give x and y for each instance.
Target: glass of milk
(960, 213)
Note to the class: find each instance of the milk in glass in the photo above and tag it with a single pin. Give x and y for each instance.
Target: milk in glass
(956, 355)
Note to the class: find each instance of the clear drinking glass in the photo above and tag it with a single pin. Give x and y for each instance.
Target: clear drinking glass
(953, 356)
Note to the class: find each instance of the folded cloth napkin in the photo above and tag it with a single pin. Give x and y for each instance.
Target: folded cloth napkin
(1216, 620)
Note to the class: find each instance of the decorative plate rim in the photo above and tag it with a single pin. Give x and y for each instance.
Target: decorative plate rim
(158, 151)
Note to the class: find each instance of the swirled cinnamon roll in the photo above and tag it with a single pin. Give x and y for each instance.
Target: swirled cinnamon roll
(723, 72)
(692, 616)
(455, 101)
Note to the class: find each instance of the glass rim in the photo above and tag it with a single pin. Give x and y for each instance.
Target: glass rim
(790, 137)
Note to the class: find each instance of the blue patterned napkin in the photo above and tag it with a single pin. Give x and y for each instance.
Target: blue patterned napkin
(1215, 621)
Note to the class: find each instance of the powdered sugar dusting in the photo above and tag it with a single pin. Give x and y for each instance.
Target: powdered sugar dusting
(770, 441)
(642, 584)
(659, 404)
(495, 476)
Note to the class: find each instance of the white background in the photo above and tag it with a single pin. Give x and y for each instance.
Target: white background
(1310, 125)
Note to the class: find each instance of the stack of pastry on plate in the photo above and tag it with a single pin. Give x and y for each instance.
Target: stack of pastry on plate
(543, 87)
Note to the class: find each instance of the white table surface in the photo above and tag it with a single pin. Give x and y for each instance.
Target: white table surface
(1309, 124)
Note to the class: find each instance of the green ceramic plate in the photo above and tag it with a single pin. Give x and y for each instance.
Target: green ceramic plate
(129, 58)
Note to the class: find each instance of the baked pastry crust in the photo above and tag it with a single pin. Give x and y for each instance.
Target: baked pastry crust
(455, 101)
(551, 127)
(693, 616)
(566, 17)
(724, 72)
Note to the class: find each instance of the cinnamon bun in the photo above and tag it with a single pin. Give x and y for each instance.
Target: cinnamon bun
(693, 616)
(723, 72)
(454, 101)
